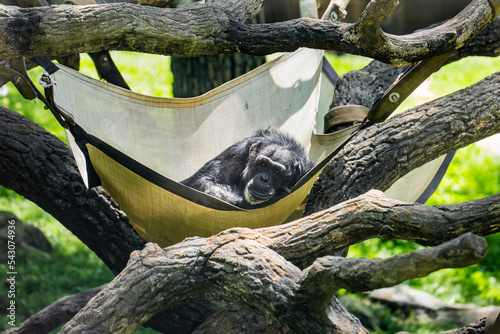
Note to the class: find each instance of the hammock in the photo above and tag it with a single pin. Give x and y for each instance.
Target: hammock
(138, 148)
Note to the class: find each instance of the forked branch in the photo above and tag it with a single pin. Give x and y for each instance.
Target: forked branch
(238, 266)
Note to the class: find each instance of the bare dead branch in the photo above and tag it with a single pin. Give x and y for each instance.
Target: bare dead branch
(218, 27)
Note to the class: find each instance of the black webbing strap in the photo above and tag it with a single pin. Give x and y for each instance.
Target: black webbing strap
(107, 69)
(329, 71)
(46, 63)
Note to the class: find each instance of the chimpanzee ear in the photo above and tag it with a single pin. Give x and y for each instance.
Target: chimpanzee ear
(297, 170)
(254, 149)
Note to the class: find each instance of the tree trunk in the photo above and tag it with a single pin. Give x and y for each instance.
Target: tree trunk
(196, 76)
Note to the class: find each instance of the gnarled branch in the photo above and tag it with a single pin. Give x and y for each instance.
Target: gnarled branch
(238, 265)
(329, 274)
(219, 27)
(372, 215)
(55, 314)
(382, 153)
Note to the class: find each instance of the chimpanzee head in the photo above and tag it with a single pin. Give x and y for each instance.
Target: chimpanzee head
(272, 170)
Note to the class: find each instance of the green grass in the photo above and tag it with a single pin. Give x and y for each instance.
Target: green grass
(72, 267)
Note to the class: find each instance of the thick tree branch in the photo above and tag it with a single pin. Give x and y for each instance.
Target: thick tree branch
(38, 166)
(382, 153)
(241, 10)
(372, 215)
(238, 266)
(218, 27)
(55, 314)
(365, 86)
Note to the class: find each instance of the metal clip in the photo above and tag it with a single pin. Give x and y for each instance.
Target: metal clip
(46, 81)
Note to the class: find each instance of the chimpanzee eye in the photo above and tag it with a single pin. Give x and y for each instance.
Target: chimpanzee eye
(276, 172)
(263, 164)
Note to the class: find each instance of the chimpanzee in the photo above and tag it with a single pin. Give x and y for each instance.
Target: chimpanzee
(255, 172)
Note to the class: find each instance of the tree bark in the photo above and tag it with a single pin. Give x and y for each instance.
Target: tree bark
(38, 166)
(55, 314)
(196, 76)
(238, 265)
(389, 219)
(406, 141)
(365, 86)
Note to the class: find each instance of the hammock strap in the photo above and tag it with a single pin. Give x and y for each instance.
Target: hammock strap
(17, 74)
(46, 82)
(319, 166)
(404, 85)
(107, 69)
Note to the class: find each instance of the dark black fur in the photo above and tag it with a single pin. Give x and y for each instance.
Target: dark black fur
(255, 172)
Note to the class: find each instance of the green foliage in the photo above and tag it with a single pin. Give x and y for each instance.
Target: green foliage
(41, 279)
(346, 63)
(473, 173)
(144, 73)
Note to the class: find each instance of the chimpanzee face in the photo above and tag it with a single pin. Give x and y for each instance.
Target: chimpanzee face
(270, 173)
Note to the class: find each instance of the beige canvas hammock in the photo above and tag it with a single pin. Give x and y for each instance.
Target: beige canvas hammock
(139, 147)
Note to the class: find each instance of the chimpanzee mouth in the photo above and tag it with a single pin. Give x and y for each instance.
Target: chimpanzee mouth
(261, 196)
(254, 197)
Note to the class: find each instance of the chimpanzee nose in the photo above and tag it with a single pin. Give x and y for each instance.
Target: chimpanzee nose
(265, 178)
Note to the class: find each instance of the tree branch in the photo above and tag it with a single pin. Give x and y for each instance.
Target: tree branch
(238, 266)
(55, 314)
(38, 166)
(365, 86)
(382, 153)
(372, 215)
(329, 274)
(218, 27)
